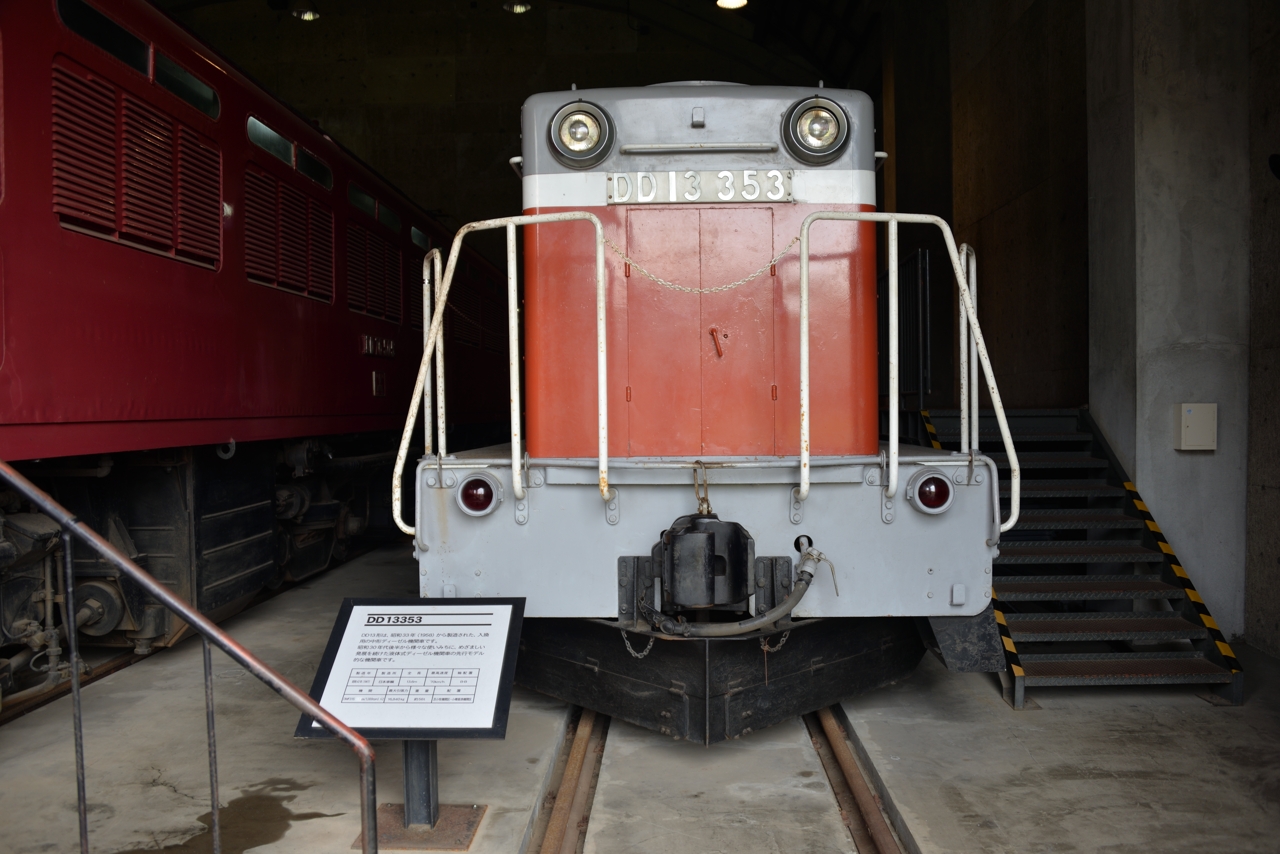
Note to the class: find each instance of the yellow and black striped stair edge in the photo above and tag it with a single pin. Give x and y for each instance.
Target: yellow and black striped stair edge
(1010, 649)
(1190, 589)
(928, 425)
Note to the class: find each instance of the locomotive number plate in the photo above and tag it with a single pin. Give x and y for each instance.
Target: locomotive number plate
(688, 187)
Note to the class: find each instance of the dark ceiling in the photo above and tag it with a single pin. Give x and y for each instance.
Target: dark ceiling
(833, 39)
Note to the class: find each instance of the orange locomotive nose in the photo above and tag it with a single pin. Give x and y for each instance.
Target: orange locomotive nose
(703, 333)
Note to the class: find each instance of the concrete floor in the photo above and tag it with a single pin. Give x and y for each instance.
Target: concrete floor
(146, 753)
(1117, 770)
(763, 793)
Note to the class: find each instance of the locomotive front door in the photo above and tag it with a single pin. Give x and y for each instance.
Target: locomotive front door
(737, 332)
(700, 365)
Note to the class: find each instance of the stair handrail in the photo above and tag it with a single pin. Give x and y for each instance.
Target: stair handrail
(967, 303)
(210, 633)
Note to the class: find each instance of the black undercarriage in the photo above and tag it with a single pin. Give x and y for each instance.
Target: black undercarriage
(708, 690)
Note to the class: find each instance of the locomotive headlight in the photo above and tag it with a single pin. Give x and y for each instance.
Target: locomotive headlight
(479, 494)
(929, 491)
(818, 129)
(815, 130)
(581, 134)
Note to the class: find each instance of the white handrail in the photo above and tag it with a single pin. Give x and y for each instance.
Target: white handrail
(1015, 472)
(434, 337)
(969, 359)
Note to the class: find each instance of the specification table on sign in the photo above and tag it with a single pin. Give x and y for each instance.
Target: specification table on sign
(419, 669)
(411, 685)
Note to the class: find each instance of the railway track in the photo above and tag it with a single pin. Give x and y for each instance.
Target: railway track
(565, 815)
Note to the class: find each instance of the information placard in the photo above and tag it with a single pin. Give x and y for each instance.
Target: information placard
(419, 668)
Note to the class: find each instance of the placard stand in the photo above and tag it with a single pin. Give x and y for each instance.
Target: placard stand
(419, 670)
(421, 783)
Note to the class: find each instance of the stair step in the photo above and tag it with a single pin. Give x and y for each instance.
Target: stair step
(1122, 668)
(1068, 552)
(1072, 520)
(1050, 460)
(1065, 489)
(1019, 437)
(1102, 626)
(1080, 588)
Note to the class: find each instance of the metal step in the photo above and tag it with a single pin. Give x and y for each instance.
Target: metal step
(1074, 520)
(995, 440)
(1082, 588)
(1077, 552)
(1065, 489)
(1050, 460)
(1102, 626)
(1122, 668)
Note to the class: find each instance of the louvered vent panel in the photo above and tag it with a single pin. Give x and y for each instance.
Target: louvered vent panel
(393, 291)
(147, 164)
(377, 275)
(84, 149)
(260, 227)
(293, 239)
(321, 255)
(495, 321)
(415, 290)
(462, 314)
(199, 199)
(357, 267)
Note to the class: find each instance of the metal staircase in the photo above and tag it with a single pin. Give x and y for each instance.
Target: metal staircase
(1087, 589)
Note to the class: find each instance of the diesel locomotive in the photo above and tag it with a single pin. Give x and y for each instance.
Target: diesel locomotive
(210, 316)
(697, 502)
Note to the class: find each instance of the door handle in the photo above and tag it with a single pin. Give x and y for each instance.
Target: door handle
(715, 336)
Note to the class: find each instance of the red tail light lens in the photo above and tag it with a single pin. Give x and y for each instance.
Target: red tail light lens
(476, 495)
(933, 492)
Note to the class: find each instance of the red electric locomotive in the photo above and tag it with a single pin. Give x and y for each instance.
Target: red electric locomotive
(211, 312)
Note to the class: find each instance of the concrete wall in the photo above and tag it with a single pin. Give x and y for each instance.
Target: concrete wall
(1262, 592)
(1019, 175)
(1168, 88)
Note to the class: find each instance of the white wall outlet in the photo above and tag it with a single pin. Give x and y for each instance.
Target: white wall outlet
(1197, 427)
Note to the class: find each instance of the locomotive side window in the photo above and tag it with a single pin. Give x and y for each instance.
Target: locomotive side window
(362, 201)
(388, 217)
(172, 76)
(95, 27)
(270, 141)
(126, 171)
(420, 240)
(314, 168)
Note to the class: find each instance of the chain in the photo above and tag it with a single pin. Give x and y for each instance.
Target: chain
(764, 644)
(635, 654)
(673, 286)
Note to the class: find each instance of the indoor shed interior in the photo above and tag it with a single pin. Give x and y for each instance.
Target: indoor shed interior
(253, 381)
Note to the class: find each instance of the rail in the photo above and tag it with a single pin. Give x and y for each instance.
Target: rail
(434, 338)
(975, 340)
(209, 634)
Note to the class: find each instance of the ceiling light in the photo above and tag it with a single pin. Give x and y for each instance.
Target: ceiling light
(517, 8)
(304, 10)
(731, 4)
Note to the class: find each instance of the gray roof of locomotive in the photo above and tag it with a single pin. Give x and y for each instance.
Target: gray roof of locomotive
(663, 114)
